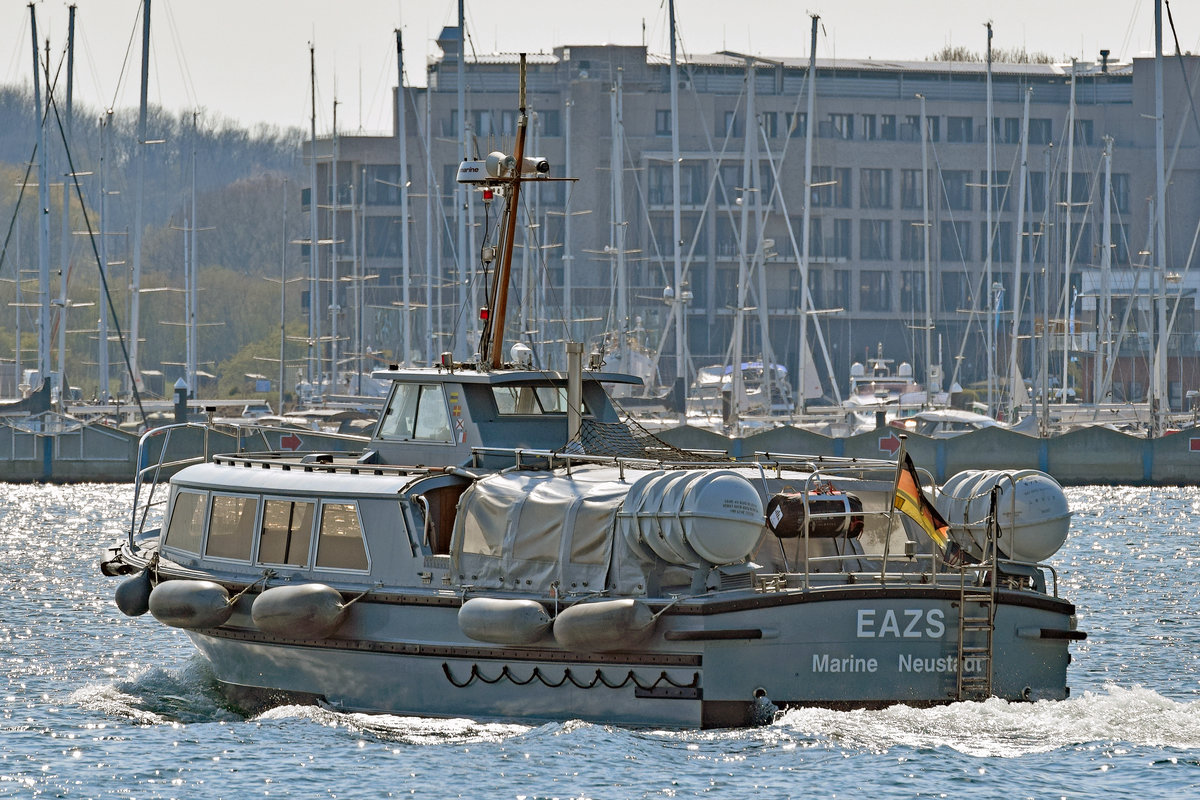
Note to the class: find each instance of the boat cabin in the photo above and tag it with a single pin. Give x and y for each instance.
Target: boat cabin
(440, 416)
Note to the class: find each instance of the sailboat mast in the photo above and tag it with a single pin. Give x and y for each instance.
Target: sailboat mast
(618, 220)
(65, 249)
(680, 309)
(402, 138)
(105, 132)
(806, 222)
(1159, 379)
(463, 191)
(135, 290)
(1067, 237)
(335, 308)
(431, 203)
(743, 268)
(1104, 307)
(43, 218)
(568, 256)
(933, 377)
(1044, 428)
(194, 277)
(1014, 372)
(988, 291)
(314, 268)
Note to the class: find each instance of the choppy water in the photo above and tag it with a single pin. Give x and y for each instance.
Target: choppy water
(98, 705)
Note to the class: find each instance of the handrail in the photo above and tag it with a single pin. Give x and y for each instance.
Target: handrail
(166, 431)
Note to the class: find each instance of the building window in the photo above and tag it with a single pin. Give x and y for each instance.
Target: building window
(912, 240)
(769, 121)
(839, 294)
(955, 241)
(383, 236)
(887, 127)
(662, 122)
(874, 188)
(1030, 241)
(912, 124)
(797, 123)
(1081, 243)
(959, 129)
(911, 195)
(831, 187)
(508, 122)
(1037, 191)
(839, 243)
(383, 185)
(1008, 130)
(731, 125)
(1084, 131)
(1080, 191)
(956, 292)
(956, 192)
(1002, 242)
(1120, 191)
(875, 240)
(873, 291)
(729, 187)
(661, 184)
(1039, 131)
(551, 122)
(816, 247)
(840, 126)
(912, 290)
(870, 130)
(1000, 201)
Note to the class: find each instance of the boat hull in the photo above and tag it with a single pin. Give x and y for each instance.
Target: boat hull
(705, 664)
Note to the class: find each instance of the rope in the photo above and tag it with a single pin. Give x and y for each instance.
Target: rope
(598, 679)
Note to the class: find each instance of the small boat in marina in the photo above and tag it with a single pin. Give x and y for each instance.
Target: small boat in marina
(507, 545)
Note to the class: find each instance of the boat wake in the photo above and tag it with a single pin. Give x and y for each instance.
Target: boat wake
(157, 696)
(1000, 729)
(991, 729)
(392, 728)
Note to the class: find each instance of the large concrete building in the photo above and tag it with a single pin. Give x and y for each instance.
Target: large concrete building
(876, 272)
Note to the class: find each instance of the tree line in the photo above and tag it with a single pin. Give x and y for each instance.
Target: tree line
(248, 217)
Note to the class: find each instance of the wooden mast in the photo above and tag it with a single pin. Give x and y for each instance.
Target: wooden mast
(493, 337)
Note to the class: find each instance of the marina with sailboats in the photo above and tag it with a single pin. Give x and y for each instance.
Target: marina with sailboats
(623, 421)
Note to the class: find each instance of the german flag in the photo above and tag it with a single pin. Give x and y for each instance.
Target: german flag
(911, 502)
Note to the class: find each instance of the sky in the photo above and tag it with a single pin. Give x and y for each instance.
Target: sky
(247, 61)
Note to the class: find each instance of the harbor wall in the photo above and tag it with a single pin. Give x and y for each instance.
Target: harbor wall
(1087, 456)
(94, 453)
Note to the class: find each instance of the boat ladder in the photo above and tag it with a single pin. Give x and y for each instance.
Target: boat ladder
(977, 618)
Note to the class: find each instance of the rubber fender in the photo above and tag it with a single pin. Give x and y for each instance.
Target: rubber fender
(190, 604)
(133, 594)
(604, 625)
(503, 621)
(299, 611)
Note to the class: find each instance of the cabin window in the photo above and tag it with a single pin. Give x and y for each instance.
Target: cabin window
(231, 527)
(286, 532)
(340, 543)
(417, 412)
(531, 399)
(186, 529)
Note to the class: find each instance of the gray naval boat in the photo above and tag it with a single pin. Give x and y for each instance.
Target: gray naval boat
(507, 546)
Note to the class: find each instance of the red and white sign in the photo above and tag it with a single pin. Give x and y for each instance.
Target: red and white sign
(889, 444)
(290, 442)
